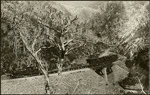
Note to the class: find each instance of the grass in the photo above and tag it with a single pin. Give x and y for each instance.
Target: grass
(90, 83)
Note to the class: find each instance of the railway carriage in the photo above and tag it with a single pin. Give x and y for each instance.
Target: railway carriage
(102, 62)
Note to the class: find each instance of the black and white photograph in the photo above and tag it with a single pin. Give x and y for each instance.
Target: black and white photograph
(75, 47)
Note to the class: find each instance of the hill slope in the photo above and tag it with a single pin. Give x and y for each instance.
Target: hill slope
(90, 83)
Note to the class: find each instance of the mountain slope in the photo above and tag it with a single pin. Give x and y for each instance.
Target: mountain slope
(82, 9)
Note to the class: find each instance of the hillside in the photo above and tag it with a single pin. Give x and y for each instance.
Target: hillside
(40, 38)
(82, 9)
(90, 83)
(86, 9)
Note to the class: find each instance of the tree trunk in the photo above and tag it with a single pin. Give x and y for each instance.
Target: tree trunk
(59, 66)
(45, 72)
(48, 89)
(47, 84)
(106, 77)
(59, 69)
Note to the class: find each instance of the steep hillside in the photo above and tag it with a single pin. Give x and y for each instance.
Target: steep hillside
(135, 30)
(83, 9)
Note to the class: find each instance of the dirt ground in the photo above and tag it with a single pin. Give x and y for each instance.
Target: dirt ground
(90, 83)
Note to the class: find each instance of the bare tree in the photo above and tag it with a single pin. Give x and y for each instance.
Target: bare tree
(30, 47)
(31, 25)
(59, 26)
(60, 42)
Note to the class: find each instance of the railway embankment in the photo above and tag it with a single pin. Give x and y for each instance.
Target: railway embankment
(89, 83)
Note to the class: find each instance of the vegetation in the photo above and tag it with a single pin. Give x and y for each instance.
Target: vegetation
(39, 36)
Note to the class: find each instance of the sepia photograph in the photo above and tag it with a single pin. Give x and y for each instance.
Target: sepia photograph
(75, 47)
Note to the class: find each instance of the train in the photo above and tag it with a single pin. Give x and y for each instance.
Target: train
(102, 62)
(96, 64)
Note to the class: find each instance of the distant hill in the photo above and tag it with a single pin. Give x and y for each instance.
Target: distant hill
(60, 7)
(83, 9)
(86, 9)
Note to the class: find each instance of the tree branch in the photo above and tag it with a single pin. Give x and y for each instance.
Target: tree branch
(67, 31)
(35, 40)
(23, 39)
(69, 23)
(39, 62)
(141, 85)
(67, 42)
(52, 28)
(41, 49)
(67, 52)
(55, 43)
(31, 52)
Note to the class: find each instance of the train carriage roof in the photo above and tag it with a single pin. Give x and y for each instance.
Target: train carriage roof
(106, 57)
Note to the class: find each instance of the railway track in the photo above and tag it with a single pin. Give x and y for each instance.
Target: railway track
(96, 64)
(97, 68)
